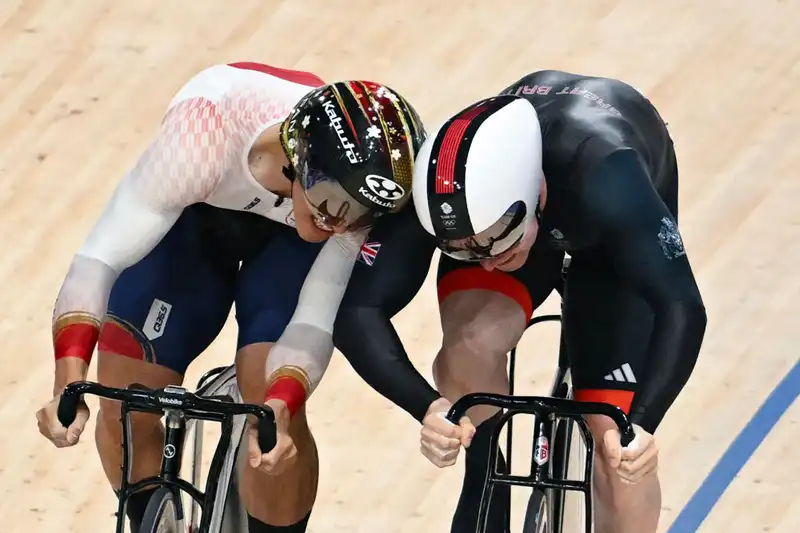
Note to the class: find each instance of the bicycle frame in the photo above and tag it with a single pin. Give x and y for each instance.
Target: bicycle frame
(543, 466)
(552, 431)
(178, 406)
(228, 514)
(175, 431)
(551, 409)
(546, 472)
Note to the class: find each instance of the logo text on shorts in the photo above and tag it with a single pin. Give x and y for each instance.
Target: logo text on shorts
(156, 320)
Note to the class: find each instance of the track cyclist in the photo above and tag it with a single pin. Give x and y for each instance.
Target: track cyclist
(258, 189)
(557, 163)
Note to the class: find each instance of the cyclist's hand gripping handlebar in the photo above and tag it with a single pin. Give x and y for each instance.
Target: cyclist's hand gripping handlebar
(141, 398)
(543, 406)
(68, 407)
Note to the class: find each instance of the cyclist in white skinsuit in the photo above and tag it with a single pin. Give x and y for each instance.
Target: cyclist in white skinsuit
(258, 188)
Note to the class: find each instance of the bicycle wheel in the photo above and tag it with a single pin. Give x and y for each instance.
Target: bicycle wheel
(161, 513)
(537, 516)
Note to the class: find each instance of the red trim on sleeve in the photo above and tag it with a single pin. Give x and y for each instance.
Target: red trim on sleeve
(290, 390)
(620, 398)
(76, 340)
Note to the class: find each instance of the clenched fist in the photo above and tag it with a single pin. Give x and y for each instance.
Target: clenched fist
(440, 440)
(284, 454)
(50, 427)
(636, 460)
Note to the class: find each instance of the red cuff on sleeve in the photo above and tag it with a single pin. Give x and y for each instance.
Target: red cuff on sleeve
(289, 390)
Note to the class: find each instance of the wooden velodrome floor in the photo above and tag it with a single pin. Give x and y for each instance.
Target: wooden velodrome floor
(83, 84)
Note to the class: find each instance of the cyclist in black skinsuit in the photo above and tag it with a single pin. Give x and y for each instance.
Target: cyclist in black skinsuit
(605, 190)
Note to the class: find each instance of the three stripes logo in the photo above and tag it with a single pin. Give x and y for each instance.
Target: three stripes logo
(623, 374)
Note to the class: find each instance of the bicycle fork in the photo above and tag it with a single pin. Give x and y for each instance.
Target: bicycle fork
(172, 457)
(197, 463)
(541, 473)
(172, 454)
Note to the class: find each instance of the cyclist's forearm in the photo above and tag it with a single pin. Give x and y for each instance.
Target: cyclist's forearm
(368, 340)
(68, 370)
(296, 364)
(80, 308)
(674, 347)
(126, 231)
(300, 357)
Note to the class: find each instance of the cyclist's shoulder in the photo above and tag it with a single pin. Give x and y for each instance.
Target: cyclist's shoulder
(529, 83)
(246, 90)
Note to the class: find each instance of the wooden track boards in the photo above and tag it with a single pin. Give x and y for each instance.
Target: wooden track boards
(83, 84)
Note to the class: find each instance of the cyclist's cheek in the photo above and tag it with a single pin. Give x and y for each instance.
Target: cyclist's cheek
(530, 236)
(304, 220)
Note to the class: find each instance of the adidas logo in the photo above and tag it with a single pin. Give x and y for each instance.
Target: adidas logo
(623, 374)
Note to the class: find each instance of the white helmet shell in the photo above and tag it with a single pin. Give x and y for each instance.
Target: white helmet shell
(476, 165)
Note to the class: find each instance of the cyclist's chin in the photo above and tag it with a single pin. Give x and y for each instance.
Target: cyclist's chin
(309, 231)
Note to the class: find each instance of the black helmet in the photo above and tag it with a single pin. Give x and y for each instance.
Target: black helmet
(352, 145)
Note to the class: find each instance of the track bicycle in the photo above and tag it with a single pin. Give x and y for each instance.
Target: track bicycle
(216, 400)
(556, 417)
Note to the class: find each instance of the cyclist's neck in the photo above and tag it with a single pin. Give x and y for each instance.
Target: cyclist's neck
(266, 160)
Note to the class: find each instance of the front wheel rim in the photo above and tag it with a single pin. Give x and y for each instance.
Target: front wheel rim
(168, 522)
(543, 525)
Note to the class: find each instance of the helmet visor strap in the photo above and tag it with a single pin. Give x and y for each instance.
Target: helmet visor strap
(497, 239)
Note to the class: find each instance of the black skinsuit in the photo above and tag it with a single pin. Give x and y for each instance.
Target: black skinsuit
(612, 202)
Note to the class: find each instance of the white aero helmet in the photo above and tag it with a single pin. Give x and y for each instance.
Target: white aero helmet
(477, 178)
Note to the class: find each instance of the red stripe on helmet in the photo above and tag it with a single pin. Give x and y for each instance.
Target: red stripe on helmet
(375, 110)
(382, 108)
(446, 158)
(354, 88)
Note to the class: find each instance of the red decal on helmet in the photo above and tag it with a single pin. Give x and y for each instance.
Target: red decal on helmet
(346, 113)
(379, 110)
(446, 158)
